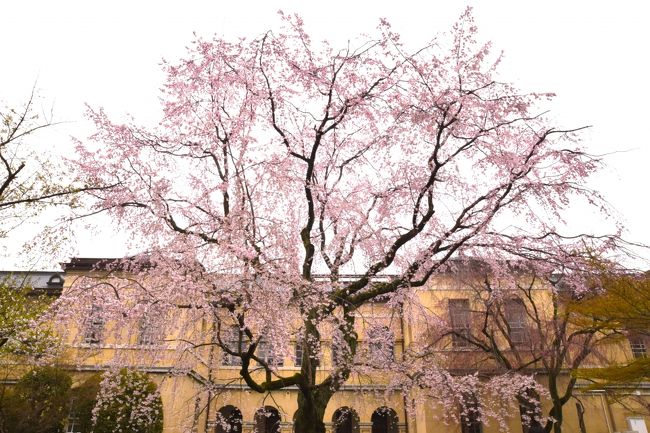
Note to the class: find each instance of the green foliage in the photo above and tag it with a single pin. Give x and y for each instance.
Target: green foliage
(38, 403)
(633, 372)
(625, 304)
(21, 333)
(128, 402)
(624, 307)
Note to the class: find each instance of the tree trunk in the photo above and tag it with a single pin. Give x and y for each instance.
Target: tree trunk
(557, 415)
(581, 417)
(312, 398)
(311, 410)
(556, 411)
(557, 427)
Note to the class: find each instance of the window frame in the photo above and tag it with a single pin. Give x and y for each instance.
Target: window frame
(515, 315)
(232, 342)
(461, 322)
(379, 349)
(148, 334)
(638, 346)
(94, 326)
(265, 352)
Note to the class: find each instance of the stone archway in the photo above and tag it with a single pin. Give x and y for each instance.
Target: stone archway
(229, 420)
(267, 420)
(384, 420)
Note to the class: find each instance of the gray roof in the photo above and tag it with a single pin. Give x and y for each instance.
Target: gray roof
(41, 281)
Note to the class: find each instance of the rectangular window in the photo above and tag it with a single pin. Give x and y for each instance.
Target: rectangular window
(297, 358)
(381, 345)
(149, 333)
(231, 340)
(459, 317)
(94, 326)
(637, 424)
(515, 315)
(637, 345)
(266, 352)
(72, 423)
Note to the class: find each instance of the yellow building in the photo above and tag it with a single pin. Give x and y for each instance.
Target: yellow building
(202, 391)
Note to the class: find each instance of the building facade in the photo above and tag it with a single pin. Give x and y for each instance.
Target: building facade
(202, 390)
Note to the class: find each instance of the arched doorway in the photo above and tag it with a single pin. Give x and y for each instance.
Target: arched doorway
(229, 420)
(345, 420)
(384, 420)
(530, 411)
(267, 420)
(470, 415)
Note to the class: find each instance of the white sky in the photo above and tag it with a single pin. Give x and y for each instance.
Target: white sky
(593, 54)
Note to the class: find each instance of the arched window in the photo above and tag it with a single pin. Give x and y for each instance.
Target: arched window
(381, 345)
(530, 411)
(470, 416)
(384, 420)
(345, 420)
(229, 420)
(267, 420)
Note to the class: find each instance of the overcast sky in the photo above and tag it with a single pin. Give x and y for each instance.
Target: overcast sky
(593, 55)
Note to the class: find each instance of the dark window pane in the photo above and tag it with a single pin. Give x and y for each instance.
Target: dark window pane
(459, 317)
(229, 420)
(384, 420)
(638, 347)
(515, 315)
(267, 420)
